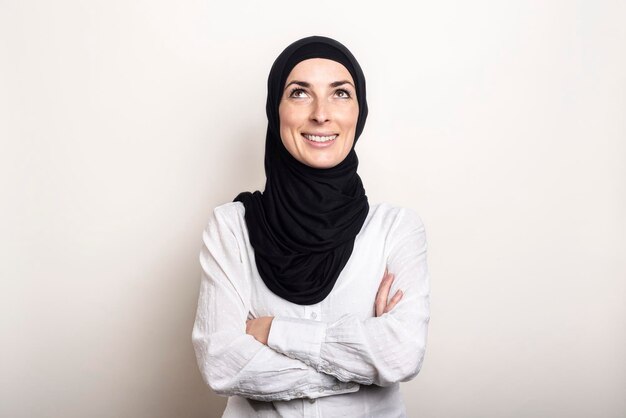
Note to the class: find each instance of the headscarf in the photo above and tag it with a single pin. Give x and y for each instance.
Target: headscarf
(303, 226)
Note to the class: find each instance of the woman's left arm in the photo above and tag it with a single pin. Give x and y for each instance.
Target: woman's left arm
(379, 350)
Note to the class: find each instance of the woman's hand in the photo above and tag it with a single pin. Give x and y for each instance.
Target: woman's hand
(383, 294)
(259, 328)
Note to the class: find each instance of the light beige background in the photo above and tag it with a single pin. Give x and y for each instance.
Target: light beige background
(123, 123)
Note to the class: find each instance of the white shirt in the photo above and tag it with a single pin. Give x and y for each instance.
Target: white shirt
(331, 359)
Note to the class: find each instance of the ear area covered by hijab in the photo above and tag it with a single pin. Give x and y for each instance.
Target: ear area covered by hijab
(303, 225)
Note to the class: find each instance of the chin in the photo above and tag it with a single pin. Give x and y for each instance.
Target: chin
(321, 163)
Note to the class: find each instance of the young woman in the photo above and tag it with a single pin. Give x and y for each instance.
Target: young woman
(293, 319)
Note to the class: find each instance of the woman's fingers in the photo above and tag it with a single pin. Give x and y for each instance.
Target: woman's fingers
(395, 299)
(381, 282)
(382, 295)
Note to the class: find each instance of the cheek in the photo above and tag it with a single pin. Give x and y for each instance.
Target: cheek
(350, 117)
(289, 118)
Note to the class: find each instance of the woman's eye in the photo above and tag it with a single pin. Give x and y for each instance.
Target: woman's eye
(295, 92)
(343, 93)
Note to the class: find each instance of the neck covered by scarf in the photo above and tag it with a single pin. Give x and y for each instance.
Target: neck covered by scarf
(303, 226)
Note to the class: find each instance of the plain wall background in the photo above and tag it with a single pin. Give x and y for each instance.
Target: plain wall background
(123, 123)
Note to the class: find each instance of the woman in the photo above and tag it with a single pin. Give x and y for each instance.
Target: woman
(293, 319)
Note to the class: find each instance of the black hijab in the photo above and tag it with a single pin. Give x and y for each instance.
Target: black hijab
(303, 226)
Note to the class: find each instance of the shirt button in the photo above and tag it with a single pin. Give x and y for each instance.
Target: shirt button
(313, 315)
(336, 387)
(299, 394)
(312, 400)
(321, 390)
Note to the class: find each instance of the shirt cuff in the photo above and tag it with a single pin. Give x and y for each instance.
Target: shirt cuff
(330, 386)
(297, 338)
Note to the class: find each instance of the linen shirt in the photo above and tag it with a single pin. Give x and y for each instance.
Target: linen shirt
(331, 359)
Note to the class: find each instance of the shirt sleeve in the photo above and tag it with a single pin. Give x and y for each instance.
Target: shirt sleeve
(379, 350)
(232, 362)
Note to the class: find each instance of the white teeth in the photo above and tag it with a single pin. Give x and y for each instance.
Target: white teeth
(319, 138)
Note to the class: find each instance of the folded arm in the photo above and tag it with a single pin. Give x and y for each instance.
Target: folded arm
(379, 350)
(230, 361)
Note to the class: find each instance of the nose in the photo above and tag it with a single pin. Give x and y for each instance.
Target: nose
(320, 112)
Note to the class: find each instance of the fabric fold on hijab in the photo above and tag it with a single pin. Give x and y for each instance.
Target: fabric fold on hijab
(303, 226)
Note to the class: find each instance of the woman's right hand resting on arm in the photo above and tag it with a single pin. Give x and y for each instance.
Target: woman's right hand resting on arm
(381, 304)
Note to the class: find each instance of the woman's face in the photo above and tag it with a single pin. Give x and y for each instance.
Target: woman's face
(318, 112)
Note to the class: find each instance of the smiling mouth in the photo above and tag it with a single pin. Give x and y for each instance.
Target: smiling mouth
(320, 139)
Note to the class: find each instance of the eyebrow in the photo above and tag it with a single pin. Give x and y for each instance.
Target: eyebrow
(305, 84)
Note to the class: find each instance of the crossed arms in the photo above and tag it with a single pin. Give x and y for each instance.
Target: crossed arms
(303, 358)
